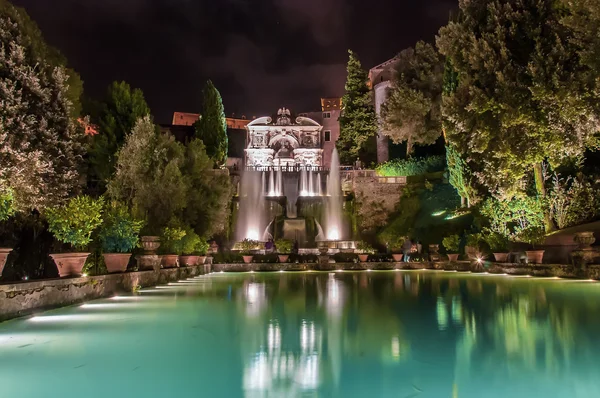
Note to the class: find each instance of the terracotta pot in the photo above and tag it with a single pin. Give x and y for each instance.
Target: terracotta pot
(585, 240)
(4, 252)
(169, 261)
(69, 264)
(363, 258)
(201, 259)
(116, 262)
(535, 256)
(501, 257)
(397, 257)
(247, 259)
(453, 257)
(150, 244)
(283, 258)
(189, 261)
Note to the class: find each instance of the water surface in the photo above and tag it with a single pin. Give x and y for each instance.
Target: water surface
(401, 334)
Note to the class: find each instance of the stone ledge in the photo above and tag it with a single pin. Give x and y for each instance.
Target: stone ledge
(20, 299)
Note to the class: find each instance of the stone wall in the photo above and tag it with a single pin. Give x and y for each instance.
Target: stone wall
(375, 200)
(25, 298)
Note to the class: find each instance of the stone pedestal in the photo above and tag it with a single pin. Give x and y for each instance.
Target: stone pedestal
(148, 262)
(585, 257)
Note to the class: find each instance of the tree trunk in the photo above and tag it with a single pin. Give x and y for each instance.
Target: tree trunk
(541, 191)
(463, 202)
(409, 148)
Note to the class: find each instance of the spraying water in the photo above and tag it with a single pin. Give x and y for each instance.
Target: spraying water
(251, 219)
(333, 208)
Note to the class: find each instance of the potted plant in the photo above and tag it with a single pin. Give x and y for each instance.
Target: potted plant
(193, 249)
(364, 250)
(498, 244)
(397, 244)
(119, 235)
(171, 246)
(452, 243)
(247, 247)
(73, 224)
(6, 211)
(472, 245)
(534, 236)
(284, 248)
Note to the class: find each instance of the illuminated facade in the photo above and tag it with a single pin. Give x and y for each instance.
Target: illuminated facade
(285, 142)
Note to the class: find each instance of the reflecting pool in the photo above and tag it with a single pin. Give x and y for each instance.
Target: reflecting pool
(405, 334)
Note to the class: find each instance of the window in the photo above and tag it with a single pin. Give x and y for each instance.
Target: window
(326, 115)
(327, 136)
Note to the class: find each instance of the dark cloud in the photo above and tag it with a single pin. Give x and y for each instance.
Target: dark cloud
(261, 54)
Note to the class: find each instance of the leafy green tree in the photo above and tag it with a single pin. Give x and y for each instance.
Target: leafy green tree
(168, 184)
(115, 117)
(524, 95)
(41, 147)
(358, 123)
(412, 112)
(210, 192)
(211, 128)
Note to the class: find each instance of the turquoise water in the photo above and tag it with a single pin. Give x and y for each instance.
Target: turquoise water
(399, 334)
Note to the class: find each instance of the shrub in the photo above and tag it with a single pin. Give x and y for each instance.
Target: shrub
(192, 244)
(364, 247)
(284, 246)
(451, 243)
(74, 222)
(7, 202)
(120, 230)
(511, 217)
(412, 166)
(497, 242)
(572, 201)
(170, 240)
(474, 240)
(248, 245)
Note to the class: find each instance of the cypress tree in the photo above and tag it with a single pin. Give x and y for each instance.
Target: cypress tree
(212, 126)
(358, 123)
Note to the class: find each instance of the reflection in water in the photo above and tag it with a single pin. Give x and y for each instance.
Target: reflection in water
(486, 334)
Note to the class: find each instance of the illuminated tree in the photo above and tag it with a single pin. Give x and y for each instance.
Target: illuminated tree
(524, 95)
(211, 128)
(412, 111)
(40, 145)
(358, 123)
(115, 117)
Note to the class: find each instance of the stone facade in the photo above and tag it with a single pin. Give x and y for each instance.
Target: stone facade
(284, 143)
(375, 200)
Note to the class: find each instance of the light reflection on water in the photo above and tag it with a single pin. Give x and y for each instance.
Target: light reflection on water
(342, 334)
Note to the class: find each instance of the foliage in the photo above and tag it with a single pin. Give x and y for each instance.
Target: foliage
(115, 118)
(451, 243)
(411, 167)
(148, 177)
(412, 111)
(247, 246)
(209, 192)
(40, 145)
(461, 177)
(573, 201)
(120, 231)
(365, 247)
(524, 93)
(7, 205)
(162, 180)
(474, 240)
(498, 243)
(284, 246)
(358, 123)
(512, 218)
(533, 235)
(74, 222)
(171, 240)
(211, 128)
(192, 244)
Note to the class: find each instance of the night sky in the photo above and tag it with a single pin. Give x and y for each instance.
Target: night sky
(261, 54)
